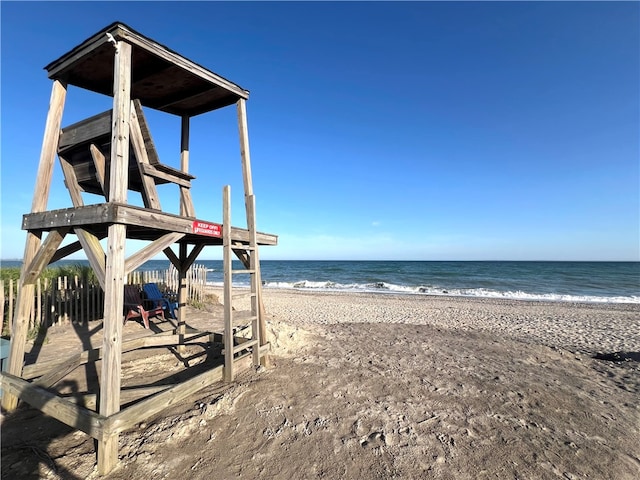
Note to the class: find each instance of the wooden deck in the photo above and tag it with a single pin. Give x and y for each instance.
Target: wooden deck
(142, 224)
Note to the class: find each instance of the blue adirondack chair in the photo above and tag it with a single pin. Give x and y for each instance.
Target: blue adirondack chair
(157, 298)
(133, 306)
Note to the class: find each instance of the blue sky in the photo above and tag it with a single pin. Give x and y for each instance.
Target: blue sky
(418, 131)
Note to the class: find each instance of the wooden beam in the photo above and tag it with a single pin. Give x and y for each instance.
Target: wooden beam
(107, 213)
(127, 395)
(243, 256)
(40, 198)
(99, 162)
(193, 256)
(132, 415)
(51, 374)
(244, 147)
(184, 143)
(182, 295)
(173, 258)
(49, 147)
(150, 250)
(58, 372)
(228, 280)
(149, 191)
(41, 259)
(65, 251)
(71, 181)
(110, 378)
(95, 254)
(49, 403)
(186, 203)
(85, 131)
(150, 172)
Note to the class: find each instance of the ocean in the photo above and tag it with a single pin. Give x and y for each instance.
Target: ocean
(610, 282)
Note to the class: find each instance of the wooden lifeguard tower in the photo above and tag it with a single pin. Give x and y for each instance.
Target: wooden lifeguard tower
(108, 155)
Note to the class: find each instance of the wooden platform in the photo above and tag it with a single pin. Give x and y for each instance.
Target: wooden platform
(142, 224)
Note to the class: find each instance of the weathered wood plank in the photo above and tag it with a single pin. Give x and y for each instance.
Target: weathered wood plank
(49, 147)
(110, 378)
(244, 149)
(167, 176)
(193, 256)
(49, 403)
(85, 131)
(149, 251)
(32, 243)
(186, 203)
(94, 252)
(127, 395)
(65, 251)
(149, 191)
(95, 354)
(73, 217)
(33, 269)
(107, 213)
(227, 268)
(99, 162)
(173, 258)
(71, 181)
(132, 415)
(60, 371)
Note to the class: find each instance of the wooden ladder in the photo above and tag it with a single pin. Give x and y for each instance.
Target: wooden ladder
(248, 255)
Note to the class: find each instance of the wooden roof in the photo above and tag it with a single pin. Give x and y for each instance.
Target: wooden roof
(161, 78)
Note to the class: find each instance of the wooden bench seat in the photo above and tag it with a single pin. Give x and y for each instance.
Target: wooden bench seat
(84, 150)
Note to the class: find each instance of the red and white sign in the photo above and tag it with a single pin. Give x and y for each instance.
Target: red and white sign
(205, 228)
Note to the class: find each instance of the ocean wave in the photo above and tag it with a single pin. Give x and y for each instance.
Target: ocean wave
(384, 287)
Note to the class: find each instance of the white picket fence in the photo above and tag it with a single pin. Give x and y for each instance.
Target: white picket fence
(76, 299)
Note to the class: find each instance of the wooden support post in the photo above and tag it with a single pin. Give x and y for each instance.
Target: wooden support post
(114, 271)
(244, 149)
(186, 204)
(39, 204)
(228, 278)
(182, 295)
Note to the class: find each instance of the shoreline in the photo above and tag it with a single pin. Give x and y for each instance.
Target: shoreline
(583, 327)
(551, 298)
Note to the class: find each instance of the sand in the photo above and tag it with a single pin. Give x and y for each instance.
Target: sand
(387, 386)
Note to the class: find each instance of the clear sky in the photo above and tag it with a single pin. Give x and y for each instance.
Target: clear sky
(418, 131)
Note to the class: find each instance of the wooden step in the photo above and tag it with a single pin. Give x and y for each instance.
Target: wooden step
(243, 295)
(245, 345)
(242, 271)
(243, 320)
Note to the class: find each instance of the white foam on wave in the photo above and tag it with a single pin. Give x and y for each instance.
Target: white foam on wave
(384, 287)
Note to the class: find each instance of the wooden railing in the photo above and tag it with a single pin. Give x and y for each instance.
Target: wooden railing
(79, 300)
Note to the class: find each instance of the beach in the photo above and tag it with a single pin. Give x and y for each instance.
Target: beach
(391, 386)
